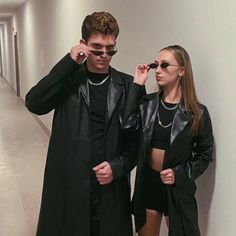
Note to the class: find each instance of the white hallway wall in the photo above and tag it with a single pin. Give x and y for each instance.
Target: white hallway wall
(7, 55)
(47, 29)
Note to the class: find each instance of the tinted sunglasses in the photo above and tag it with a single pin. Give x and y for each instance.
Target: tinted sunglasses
(163, 65)
(99, 53)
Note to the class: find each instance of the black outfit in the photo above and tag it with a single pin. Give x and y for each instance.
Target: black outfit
(68, 206)
(161, 136)
(155, 191)
(154, 195)
(98, 102)
(187, 155)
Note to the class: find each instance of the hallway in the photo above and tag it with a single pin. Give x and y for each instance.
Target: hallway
(23, 147)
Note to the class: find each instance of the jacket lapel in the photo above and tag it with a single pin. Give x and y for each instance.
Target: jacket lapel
(85, 92)
(181, 119)
(114, 92)
(83, 85)
(148, 114)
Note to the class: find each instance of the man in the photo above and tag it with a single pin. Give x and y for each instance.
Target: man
(86, 184)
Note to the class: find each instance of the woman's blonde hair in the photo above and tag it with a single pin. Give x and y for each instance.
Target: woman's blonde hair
(187, 84)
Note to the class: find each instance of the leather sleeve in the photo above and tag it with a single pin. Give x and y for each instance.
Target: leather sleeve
(123, 164)
(130, 121)
(203, 147)
(43, 97)
(202, 150)
(130, 117)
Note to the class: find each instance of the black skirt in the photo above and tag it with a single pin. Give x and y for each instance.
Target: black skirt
(154, 194)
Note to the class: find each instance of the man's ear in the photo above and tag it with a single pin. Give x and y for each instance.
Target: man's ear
(82, 41)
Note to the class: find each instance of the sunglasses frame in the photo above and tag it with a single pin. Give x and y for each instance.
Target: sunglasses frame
(163, 65)
(99, 53)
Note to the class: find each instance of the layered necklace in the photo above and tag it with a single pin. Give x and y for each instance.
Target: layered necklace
(168, 109)
(100, 83)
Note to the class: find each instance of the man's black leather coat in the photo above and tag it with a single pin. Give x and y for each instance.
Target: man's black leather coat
(65, 207)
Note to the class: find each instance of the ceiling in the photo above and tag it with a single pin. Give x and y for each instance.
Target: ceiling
(7, 7)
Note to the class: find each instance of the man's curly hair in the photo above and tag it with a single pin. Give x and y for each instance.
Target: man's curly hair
(99, 22)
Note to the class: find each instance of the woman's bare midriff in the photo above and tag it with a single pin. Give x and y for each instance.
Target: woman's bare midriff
(157, 158)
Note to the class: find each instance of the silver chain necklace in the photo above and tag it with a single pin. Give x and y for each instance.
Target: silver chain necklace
(159, 122)
(100, 83)
(168, 108)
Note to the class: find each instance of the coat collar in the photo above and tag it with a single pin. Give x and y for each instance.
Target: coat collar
(83, 85)
(181, 118)
(114, 90)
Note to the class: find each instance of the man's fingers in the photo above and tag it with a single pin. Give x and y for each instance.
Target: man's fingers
(100, 166)
(167, 176)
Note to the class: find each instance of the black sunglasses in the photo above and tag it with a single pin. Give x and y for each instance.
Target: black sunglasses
(99, 53)
(163, 65)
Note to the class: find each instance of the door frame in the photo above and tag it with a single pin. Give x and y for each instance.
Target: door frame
(17, 65)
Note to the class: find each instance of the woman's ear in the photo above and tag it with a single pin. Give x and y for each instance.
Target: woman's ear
(181, 72)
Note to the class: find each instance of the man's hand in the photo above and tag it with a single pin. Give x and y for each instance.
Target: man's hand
(103, 173)
(168, 176)
(79, 53)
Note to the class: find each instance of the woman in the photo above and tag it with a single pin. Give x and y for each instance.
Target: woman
(176, 145)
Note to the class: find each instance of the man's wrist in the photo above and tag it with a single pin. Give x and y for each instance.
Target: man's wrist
(117, 167)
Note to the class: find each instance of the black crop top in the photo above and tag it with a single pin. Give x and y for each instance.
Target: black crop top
(162, 128)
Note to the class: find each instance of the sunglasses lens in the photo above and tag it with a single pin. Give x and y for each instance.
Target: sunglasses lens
(111, 53)
(164, 65)
(153, 65)
(99, 53)
(96, 53)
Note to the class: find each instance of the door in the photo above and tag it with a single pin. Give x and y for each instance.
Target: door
(1, 72)
(17, 65)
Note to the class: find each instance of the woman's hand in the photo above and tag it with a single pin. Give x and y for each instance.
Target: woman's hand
(141, 74)
(168, 176)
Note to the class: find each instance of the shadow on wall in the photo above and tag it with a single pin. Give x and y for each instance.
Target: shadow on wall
(206, 186)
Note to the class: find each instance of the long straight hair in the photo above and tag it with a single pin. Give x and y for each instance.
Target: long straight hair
(187, 84)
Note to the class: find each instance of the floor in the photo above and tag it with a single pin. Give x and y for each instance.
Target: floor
(23, 147)
(23, 150)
